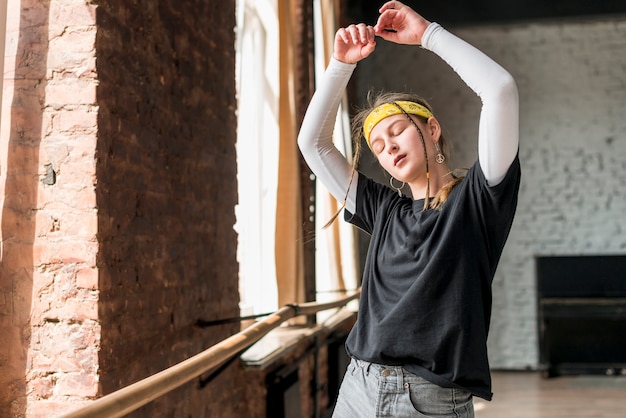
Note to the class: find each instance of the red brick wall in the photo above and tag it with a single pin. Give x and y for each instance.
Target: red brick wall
(118, 178)
(48, 286)
(166, 170)
(19, 184)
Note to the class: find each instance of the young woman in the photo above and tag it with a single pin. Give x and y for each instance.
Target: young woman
(418, 347)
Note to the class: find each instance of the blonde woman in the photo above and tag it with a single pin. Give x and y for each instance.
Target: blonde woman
(418, 347)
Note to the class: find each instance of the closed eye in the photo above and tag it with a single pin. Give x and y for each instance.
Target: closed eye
(398, 129)
(378, 146)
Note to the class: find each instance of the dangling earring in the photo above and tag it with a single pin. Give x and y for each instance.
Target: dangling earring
(439, 157)
(398, 189)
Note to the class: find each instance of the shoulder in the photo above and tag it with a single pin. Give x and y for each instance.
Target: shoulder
(374, 200)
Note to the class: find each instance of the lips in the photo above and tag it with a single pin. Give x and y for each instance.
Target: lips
(398, 159)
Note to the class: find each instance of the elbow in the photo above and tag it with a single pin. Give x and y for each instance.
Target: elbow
(502, 92)
(307, 136)
(307, 149)
(304, 141)
(307, 143)
(506, 89)
(300, 141)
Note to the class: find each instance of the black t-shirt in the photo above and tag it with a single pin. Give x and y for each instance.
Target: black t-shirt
(426, 291)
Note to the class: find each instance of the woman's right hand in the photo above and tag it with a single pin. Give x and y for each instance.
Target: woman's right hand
(400, 24)
(354, 43)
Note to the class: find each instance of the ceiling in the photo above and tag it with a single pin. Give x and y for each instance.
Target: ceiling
(463, 12)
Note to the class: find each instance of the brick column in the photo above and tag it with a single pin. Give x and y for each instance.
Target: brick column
(49, 218)
(118, 187)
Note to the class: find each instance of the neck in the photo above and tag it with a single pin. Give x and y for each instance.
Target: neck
(439, 176)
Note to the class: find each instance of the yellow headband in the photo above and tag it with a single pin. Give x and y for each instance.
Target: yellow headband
(389, 109)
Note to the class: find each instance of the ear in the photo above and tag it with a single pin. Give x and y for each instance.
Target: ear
(434, 128)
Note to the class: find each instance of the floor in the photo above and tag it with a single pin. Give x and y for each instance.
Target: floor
(528, 395)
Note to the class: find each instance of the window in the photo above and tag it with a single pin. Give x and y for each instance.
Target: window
(269, 218)
(257, 153)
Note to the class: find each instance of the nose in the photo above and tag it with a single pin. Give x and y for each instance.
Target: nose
(393, 147)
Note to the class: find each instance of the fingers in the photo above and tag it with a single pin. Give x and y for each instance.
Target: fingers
(390, 5)
(357, 34)
(399, 23)
(354, 43)
(385, 20)
(389, 13)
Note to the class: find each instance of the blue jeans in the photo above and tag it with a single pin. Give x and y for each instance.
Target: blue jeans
(372, 390)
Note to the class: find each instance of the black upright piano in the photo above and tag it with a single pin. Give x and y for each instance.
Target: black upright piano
(582, 314)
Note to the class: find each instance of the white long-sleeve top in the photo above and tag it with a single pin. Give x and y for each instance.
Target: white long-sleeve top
(498, 134)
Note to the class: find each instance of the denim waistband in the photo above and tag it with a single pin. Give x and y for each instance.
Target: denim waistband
(387, 373)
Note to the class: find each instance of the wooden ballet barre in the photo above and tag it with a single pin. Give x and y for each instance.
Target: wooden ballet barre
(136, 395)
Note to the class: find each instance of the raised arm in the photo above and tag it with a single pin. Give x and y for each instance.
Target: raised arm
(352, 44)
(498, 132)
(498, 136)
(315, 137)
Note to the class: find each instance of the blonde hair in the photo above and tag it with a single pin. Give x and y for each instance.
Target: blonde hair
(376, 100)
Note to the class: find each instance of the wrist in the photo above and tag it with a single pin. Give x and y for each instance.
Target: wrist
(421, 30)
(429, 33)
(334, 61)
(342, 60)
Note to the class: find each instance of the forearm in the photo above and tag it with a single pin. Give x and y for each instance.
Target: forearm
(315, 137)
(498, 138)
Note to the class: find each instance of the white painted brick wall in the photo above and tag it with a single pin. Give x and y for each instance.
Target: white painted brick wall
(572, 81)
